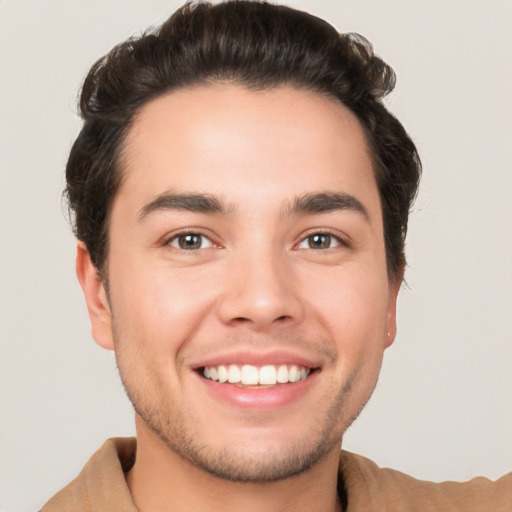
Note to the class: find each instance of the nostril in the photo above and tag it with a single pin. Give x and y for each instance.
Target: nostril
(244, 320)
(241, 319)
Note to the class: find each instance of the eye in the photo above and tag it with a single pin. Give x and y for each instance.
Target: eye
(190, 241)
(319, 241)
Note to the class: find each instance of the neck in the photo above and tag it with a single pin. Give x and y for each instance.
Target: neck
(162, 480)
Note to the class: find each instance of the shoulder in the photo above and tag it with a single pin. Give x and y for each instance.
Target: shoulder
(369, 487)
(101, 485)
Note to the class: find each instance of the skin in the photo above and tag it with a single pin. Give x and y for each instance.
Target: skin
(257, 285)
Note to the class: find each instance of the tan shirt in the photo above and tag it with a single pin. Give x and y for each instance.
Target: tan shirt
(101, 487)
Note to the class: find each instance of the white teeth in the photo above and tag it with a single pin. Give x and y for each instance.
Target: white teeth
(250, 375)
(282, 374)
(233, 373)
(267, 375)
(223, 374)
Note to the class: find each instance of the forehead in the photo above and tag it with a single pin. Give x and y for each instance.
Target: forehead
(245, 145)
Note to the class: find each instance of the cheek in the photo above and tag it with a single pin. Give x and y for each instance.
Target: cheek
(352, 306)
(159, 307)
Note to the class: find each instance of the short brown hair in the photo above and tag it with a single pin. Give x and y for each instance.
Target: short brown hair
(259, 46)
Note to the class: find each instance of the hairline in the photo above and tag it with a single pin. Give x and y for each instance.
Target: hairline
(120, 164)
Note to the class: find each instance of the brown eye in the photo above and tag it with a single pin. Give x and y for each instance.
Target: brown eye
(319, 241)
(190, 241)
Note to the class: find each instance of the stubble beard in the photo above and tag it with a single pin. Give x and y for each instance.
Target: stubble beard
(174, 428)
(228, 463)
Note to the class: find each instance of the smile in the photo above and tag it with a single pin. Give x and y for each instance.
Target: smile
(249, 375)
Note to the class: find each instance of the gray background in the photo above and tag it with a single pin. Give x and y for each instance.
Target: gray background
(443, 407)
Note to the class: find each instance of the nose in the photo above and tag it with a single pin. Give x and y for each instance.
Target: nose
(261, 292)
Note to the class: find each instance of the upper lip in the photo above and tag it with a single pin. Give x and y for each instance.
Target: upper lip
(258, 358)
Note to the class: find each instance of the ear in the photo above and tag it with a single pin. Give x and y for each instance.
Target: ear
(95, 295)
(394, 288)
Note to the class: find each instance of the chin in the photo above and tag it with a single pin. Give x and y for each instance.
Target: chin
(250, 454)
(247, 458)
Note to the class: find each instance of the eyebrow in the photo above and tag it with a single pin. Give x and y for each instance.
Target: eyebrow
(311, 203)
(201, 203)
(324, 202)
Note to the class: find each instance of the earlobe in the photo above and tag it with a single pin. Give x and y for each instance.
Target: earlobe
(96, 298)
(394, 288)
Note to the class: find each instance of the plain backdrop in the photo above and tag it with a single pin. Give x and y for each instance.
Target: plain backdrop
(443, 406)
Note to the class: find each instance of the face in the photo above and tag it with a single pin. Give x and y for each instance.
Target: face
(249, 304)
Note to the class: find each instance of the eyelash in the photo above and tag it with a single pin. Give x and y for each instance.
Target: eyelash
(305, 239)
(184, 234)
(331, 238)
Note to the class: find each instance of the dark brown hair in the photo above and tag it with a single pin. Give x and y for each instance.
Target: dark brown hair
(257, 45)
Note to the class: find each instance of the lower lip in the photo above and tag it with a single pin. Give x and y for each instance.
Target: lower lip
(261, 398)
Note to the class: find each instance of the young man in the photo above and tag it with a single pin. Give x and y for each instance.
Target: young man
(240, 196)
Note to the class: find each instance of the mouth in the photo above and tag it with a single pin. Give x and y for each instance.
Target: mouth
(247, 375)
(259, 381)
